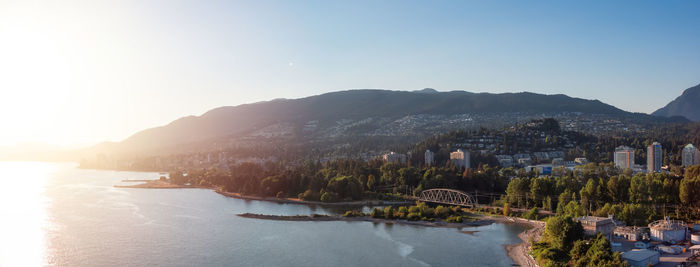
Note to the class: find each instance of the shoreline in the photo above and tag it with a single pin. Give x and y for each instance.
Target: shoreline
(519, 253)
(158, 184)
(305, 202)
(328, 218)
(154, 184)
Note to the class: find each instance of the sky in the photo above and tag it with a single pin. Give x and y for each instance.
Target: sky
(75, 73)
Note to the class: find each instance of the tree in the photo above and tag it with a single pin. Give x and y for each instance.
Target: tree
(563, 199)
(517, 191)
(390, 173)
(345, 187)
(635, 214)
(328, 197)
(690, 191)
(562, 231)
(532, 214)
(408, 176)
(596, 252)
(589, 194)
(573, 209)
(376, 213)
(389, 212)
(539, 189)
(618, 188)
(442, 212)
(639, 189)
(371, 181)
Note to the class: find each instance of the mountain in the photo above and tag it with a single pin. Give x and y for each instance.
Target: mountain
(341, 117)
(686, 105)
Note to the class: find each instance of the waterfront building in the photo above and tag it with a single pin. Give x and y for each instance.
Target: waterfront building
(624, 157)
(460, 158)
(429, 158)
(654, 157)
(392, 157)
(690, 155)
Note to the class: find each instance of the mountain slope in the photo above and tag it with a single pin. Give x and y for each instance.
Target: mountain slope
(362, 111)
(686, 105)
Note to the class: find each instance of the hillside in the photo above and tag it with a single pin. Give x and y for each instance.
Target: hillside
(686, 105)
(357, 113)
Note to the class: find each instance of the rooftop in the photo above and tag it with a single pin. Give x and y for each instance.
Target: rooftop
(668, 224)
(639, 254)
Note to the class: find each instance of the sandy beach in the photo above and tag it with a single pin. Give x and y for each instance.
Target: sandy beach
(520, 253)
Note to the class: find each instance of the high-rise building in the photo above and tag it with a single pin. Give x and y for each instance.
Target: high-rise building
(654, 157)
(429, 158)
(690, 155)
(460, 158)
(624, 157)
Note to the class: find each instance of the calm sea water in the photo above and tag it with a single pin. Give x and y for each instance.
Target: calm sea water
(56, 214)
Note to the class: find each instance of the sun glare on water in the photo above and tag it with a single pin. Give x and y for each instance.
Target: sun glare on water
(23, 209)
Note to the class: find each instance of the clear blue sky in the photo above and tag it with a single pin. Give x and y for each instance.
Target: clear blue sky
(138, 64)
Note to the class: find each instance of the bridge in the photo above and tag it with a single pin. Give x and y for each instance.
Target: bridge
(448, 196)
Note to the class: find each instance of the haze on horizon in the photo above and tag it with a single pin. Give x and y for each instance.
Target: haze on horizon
(79, 72)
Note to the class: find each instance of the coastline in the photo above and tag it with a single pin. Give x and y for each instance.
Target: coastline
(155, 184)
(519, 253)
(305, 202)
(158, 184)
(326, 218)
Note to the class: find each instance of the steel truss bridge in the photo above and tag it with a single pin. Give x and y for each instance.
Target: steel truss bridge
(448, 196)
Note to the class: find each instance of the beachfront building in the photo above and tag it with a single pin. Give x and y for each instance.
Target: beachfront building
(429, 158)
(392, 157)
(624, 157)
(460, 159)
(654, 157)
(690, 155)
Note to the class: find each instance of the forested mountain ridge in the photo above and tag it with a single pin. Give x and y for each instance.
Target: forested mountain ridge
(361, 113)
(686, 105)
